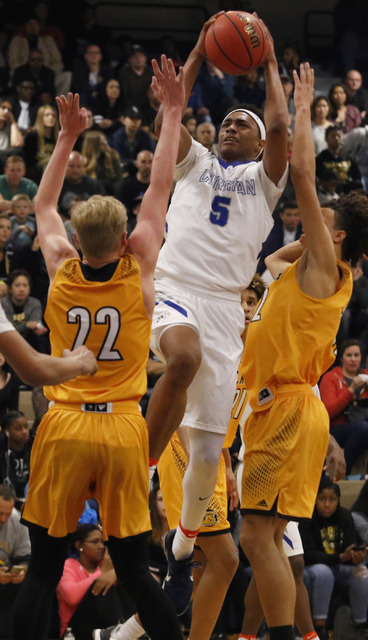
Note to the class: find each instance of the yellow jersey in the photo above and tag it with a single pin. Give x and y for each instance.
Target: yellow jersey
(291, 337)
(109, 318)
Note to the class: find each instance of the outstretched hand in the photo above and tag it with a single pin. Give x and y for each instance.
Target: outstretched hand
(304, 86)
(166, 85)
(73, 119)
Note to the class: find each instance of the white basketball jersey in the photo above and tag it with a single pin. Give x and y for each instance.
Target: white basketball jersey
(218, 218)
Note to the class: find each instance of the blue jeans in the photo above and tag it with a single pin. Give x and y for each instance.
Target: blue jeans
(353, 438)
(321, 580)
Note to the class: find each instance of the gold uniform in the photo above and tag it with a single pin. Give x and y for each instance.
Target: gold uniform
(171, 469)
(93, 440)
(290, 343)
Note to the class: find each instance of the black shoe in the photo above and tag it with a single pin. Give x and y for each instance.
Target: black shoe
(322, 633)
(178, 583)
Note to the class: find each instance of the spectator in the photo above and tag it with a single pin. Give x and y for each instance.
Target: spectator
(356, 94)
(135, 78)
(206, 135)
(25, 105)
(41, 11)
(15, 445)
(13, 182)
(354, 321)
(359, 511)
(23, 224)
(15, 550)
(290, 59)
(320, 112)
(247, 89)
(76, 183)
(345, 396)
(286, 229)
(135, 186)
(331, 555)
(109, 106)
(345, 116)
(31, 38)
(91, 126)
(130, 138)
(40, 141)
(86, 592)
(102, 162)
(344, 167)
(90, 75)
(42, 77)
(327, 187)
(5, 254)
(23, 311)
(11, 138)
(217, 90)
(190, 123)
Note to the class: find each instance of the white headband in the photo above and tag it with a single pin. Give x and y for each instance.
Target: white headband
(257, 120)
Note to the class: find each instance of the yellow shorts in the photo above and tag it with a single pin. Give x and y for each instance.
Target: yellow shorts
(78, 455)
(171, 470)
(285, 448)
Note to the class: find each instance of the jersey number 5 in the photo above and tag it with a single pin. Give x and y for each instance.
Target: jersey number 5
(220, 210)
(106, 315)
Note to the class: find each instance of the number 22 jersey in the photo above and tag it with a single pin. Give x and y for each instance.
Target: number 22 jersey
(109, 318)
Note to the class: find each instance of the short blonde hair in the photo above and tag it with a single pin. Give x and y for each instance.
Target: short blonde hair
(21, 196)
(100, 223)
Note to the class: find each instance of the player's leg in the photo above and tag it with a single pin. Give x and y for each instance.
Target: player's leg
(156, 613)
(182, 352)
(220, 566)
(261, 539)
(303, 616)
(32, 607)
(198, 486)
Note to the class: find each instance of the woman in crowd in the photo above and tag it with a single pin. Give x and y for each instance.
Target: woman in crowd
(5, 256)
(332, 553)
(346, 116)
(109, 106)
(87, 593)
(40, 142)
(320, 112)
(102, 162)
(344, 392)
(9, 388)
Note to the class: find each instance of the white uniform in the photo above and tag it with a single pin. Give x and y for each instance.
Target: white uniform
(218, 218)
(5, 325)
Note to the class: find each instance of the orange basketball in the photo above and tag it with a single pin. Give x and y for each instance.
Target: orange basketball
(237, 42)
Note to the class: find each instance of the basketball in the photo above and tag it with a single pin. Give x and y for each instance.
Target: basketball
(236, 42)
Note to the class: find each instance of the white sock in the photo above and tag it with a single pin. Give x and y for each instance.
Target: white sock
(151, 473)
(182, 545)
(129, 630)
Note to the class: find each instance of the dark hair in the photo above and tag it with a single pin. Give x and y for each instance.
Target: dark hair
(315, 102)
(249, 107)
(332, 102)
(156, 521)
(11, 417)
(16, 273)
(332, 127)
(349, 342)
(351, 216)
(7, 492)
(361, 503)
(288, 204)
(257, 285)
(81, 534)
(327, 483)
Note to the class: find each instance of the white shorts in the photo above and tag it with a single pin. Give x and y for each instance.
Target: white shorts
(219, 325)
(293, 545)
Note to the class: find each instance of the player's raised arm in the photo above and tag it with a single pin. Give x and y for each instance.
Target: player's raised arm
(191, 69)
(276, 119)
(52, 235)
(319, 260)
(146, 239)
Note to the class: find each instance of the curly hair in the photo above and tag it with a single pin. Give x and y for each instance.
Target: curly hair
(351, 216)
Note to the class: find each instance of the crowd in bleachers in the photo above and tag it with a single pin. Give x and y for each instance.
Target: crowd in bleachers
(41, 56)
